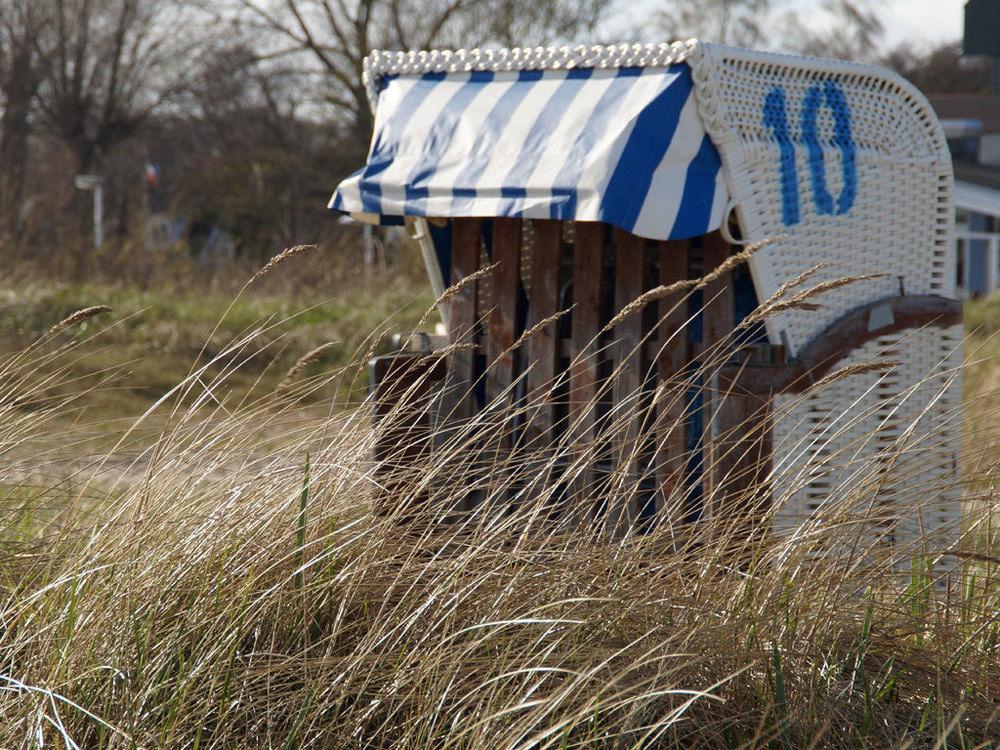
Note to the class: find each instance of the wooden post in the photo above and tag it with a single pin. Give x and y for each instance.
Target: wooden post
(463, 317)
(400, 402)
(718, 321)
(626, 353)
(501, 323)
(458, 402)
(672, 359)
(546, 264)
(737, 423)
(588, 272)
(742, 451)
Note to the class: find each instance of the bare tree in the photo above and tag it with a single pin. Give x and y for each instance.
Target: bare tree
(847, 28)
(331, 37)
(741, 22)
(109, 65)
(241, 153)
(941, 69)
(852, 30)
(21, 23)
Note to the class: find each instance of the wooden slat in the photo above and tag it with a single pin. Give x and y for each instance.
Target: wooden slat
(588, 272)
(546, 261)
(501, 322)
(462, 319)
(718, 296)
(673, 356)
(718, 321)
(400, 403)
(742, 447)
(627, 359)
(458, 400)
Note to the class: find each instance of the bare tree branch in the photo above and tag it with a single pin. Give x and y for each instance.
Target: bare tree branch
(336, 34)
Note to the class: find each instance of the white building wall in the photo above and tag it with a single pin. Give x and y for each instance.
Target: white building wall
(989, 149)
(977, 239)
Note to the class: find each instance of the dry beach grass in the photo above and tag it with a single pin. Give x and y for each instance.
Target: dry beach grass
(222, 596)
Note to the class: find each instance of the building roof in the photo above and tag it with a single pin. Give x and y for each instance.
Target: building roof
(978, 174)
(977, 188)
(984, 108)
(976, 199)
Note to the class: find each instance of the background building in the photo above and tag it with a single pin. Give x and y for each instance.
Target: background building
(972, 125)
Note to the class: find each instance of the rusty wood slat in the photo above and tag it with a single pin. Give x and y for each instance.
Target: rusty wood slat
(588, 272)
(627, 360)
(546, 260)
(458, 400)
(673, 356)
(719, 314)
(501, 322)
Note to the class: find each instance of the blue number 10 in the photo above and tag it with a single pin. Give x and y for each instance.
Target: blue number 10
(776, 118)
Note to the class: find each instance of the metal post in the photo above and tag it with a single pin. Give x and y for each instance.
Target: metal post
(95, 184)
(98, 215)
(368, 246)
(992, 260)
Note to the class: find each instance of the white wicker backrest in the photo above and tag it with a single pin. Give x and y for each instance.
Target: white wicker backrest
(848, 165)
(894, 216)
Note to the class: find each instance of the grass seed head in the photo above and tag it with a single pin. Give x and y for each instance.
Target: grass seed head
(79, 316)
(280, 258)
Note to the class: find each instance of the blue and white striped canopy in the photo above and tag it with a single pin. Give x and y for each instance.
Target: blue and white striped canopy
(620, 145)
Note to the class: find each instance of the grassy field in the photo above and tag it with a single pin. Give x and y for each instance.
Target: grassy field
(151, 337)
(207, 573)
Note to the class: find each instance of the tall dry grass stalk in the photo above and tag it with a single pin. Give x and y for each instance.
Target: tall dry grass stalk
(211, 592)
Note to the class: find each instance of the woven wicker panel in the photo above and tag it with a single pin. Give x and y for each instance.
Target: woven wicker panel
(885, 445)
(899, 222)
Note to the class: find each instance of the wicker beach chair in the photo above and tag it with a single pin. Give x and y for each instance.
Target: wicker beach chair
(586, 177)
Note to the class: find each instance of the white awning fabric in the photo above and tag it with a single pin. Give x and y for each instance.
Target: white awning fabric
(619, 145)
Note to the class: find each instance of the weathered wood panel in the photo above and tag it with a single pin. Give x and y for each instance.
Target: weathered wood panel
(458, 399)
(719, 313)
(742, 448)
(718, 321)
(401, 387)
(736, 424)
(463, 319)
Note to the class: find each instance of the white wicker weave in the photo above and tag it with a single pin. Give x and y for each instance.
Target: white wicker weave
(886, 445)
(904, 427)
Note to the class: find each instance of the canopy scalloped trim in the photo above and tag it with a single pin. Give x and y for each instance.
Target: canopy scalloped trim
(381, 63)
